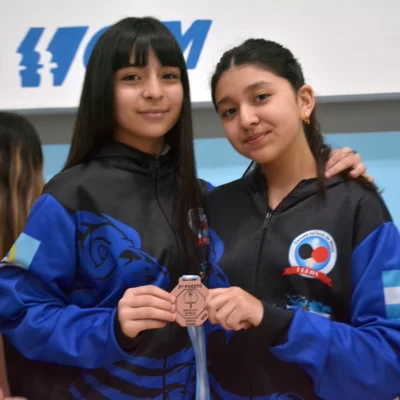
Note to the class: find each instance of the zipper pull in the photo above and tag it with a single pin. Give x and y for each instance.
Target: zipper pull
(157, 162)
(267, 218)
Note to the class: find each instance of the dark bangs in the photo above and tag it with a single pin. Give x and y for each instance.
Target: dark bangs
(95, 122)
(137, 36)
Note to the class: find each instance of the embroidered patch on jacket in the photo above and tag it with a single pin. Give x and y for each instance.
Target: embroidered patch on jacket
(315, 307)
(203, 237)
(391, 290)
(23, 251)
(312, 255)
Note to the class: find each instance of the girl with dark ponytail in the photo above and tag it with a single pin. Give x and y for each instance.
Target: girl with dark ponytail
(310, 307)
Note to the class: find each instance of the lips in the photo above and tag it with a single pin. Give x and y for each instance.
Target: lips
(154, 115)
(155, 111)
(255, 137)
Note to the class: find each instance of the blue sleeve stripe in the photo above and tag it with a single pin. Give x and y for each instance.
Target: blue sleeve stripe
(391, 291)
(393, 311)
(391, 278)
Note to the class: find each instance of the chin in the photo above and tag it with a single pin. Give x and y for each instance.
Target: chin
(155, 132)
(262, 156)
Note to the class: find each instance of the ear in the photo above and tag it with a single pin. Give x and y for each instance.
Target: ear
(306, 101)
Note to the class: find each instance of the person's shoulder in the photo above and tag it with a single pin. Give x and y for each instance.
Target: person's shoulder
(66, 179)
(231, 187)
(68, 186)
(205, 186)
(227, 200)
(371, 212)
(368, 199)
(212, 192)
(227, 191)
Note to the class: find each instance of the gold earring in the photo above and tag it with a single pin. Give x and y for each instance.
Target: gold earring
(306, 119)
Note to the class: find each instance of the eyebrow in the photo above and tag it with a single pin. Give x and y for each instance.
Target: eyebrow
(133, 65)
(249, 88)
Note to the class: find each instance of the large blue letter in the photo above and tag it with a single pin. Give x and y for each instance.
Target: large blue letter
(30, 58)
(63, 47)
(90, 45)
(195, 35)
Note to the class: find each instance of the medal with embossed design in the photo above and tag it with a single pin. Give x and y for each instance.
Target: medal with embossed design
(190, 294)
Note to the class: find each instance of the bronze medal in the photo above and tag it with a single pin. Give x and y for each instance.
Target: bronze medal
(190, 302)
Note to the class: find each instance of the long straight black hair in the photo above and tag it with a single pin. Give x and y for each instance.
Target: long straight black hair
(95, 123)
(280, 61)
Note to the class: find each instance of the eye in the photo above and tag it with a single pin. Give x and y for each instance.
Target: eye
(131, 77)
(228, 113)
(261, 97)
(170, 76)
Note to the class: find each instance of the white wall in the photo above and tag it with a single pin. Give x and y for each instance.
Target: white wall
(347, 48)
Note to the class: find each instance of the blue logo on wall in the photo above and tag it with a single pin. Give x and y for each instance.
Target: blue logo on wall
(66, 41)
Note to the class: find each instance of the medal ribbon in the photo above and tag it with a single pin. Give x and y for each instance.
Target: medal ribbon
(197, 337)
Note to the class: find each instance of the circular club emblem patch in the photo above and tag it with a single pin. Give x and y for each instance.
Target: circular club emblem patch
(312, 254)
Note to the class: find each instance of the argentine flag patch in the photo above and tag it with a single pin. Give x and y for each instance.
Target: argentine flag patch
(23, 251)
(391, 289)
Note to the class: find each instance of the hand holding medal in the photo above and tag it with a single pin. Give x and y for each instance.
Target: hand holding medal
(143, 308)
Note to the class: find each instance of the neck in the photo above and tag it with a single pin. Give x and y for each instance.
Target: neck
(284, 173)
(152, 146)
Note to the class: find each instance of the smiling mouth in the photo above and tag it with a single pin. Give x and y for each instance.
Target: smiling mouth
(153, 115)
(255, 138)
(155, 112)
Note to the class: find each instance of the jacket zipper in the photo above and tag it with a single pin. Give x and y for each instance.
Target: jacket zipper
(267, 218)
(157, 169)
(260, 247)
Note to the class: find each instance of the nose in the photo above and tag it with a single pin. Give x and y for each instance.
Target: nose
(248, 117)
(153, 89)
